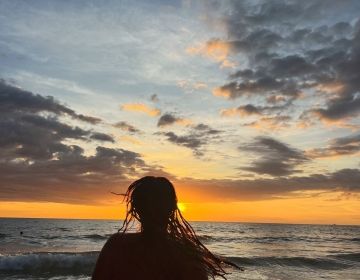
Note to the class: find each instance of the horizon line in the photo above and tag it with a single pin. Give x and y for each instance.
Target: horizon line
(202, 221)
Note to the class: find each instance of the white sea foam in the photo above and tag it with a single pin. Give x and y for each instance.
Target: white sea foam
(55, 263)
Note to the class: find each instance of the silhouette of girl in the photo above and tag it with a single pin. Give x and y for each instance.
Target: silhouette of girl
(166, 246)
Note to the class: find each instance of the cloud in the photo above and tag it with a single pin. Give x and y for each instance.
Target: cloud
(343, 146)
(14, 99)
(215, 49)
(189, 141)
(270, 123)
(154, 98)
(170, 119)
(196, 139)
(205, 129)
(251, 110)
(102, 137)
(71, 177)
(263, 85)
(127, 127)
(285, 53)
(243, 111)
(191, 85)
(344, 180)
(273, 157)
(199, 85)
(38, 163)
(338, 109)
(142, 108)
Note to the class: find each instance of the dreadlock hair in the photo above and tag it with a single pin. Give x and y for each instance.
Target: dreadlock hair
(152, 201)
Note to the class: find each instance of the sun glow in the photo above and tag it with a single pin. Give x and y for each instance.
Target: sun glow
(181, 206)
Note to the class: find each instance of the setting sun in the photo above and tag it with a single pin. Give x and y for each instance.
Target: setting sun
(181, 206)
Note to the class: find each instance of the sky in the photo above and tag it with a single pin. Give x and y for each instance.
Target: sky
(251, 108)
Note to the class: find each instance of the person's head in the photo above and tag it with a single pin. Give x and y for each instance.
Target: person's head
(153, 202)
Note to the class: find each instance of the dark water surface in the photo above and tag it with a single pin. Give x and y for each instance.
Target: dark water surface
(67, 249)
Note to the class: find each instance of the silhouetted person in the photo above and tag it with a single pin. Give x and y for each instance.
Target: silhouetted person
(165, 248)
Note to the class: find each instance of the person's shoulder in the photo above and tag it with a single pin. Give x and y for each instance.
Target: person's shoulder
(120, 237)
(116, 250)
(119, 241)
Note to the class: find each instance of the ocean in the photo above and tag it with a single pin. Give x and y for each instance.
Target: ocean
(67, 249)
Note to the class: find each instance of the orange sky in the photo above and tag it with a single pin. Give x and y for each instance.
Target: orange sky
(326, 209)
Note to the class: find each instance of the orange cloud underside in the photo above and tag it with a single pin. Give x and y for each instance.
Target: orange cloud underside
(142, 108)
(216, 50)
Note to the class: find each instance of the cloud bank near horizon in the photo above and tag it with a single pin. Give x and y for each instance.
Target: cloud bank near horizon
(39, 164)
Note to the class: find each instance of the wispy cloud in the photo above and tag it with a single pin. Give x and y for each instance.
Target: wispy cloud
(127, 127)
(141, 108)
(343, 146)
(191, 85)
(197, 138)
(215, 49)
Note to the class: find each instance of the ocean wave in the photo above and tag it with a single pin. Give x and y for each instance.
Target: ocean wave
(63, 229)
(74, 237)
(96, 236)
(307, 239)
(331, 262)
(49, 263)
(351, 257)
(82, 263)
(2, 235)
(204, 237)
(49, 237)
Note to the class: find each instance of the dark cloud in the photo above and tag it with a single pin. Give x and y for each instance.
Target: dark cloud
(154, 98)
(339, 108)
(127, 127)
(262, 85)
(344, 180)
(38, 163)
(34, 136)
(286, 49)
(342, 146)
(273, 157)
(31, 128)
(70, 177)
(167, 119)
(102, 137)
(204, 128)
(196, 139)
(14, 99)
(190, 141)
(291, 66)
(249, 109)
(170, 119)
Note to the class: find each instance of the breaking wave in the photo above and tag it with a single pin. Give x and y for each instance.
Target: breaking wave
(49, 263)
(82, 263)
(331, 262)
